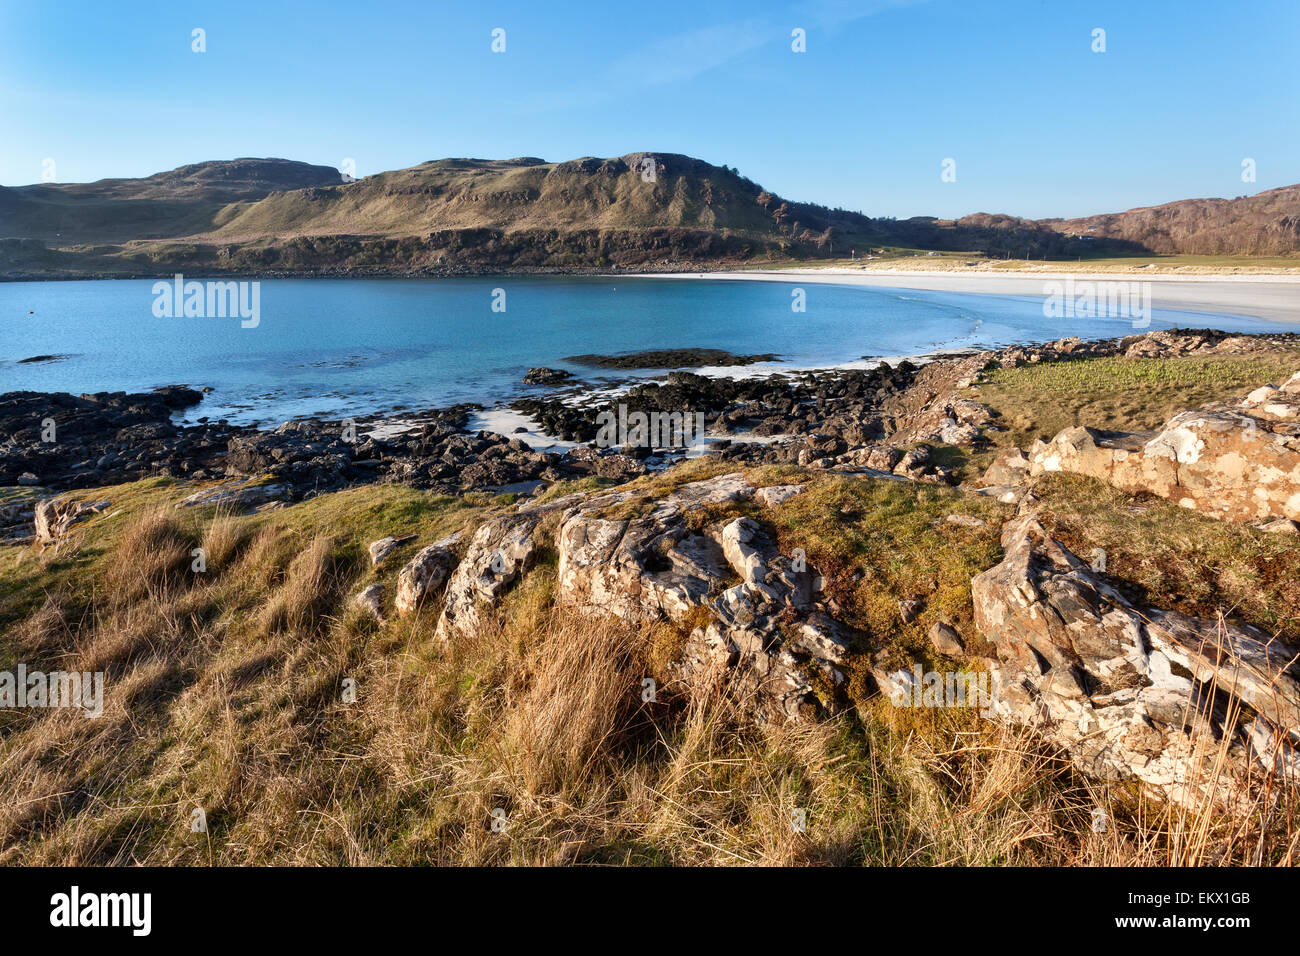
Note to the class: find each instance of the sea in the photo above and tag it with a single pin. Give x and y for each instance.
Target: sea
(349, 347)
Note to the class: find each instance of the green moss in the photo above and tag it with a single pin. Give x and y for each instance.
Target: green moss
(877, 542)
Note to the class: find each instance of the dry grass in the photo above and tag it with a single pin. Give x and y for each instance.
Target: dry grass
(224, 692)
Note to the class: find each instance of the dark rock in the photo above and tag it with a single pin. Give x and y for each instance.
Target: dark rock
(547, 376)
(946, 640)
(670, 358)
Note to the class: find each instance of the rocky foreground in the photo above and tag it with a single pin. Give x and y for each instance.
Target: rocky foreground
(1130, 692)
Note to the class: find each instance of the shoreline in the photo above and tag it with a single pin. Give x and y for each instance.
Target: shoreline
(883, 417)
(1272, 297)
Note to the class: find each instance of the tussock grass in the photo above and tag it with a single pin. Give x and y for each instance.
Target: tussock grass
(149, 557)
(223, 539)
(225, 693)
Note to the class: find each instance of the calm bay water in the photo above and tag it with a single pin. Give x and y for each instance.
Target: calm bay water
(356, 346)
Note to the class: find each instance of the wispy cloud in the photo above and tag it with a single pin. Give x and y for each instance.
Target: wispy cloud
(684, 56)
(831, 14)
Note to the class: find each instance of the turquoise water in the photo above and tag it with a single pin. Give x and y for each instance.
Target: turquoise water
(356, 346)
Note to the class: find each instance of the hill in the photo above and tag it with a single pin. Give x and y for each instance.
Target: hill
(180, 202)
(1260, 225)
(645, 211)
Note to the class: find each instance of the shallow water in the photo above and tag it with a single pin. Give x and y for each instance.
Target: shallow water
(356, 346)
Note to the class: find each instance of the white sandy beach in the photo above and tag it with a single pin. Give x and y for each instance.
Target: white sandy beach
(1272, 297)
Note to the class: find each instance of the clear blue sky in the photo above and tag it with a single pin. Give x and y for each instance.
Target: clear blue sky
(1038, 123)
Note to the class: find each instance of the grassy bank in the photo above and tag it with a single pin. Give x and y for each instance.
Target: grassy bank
(225, 692)
(1039, 400)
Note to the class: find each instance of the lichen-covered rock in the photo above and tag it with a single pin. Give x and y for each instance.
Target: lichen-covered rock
(945, 639)
(1236, 461)
(370, 600)
(424, 574)
(381, 549)
(1129, 694)
(1009, 467)
(1280, 526)
(766, 632)
(501, 550)
(641, 568)
(913, 463)
(745, 644)
(236, 495)
(55, 516)
(776, 495)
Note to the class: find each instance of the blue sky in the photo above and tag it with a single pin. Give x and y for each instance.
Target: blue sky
(1039, 124)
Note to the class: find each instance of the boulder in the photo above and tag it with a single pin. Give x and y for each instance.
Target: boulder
(644, 568)
(1234, 461)
(945, 639)
(775, 495)
(1280, 526)
(370, 600)
(381, 549)
(54, 517)
(236, 495)
(424, 574)
(1009, 467)
(913, 464)
(953, 432)
(883, 457)
(1129, 694)
(502, 549)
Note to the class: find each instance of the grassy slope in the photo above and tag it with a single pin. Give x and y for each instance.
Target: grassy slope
(1119, 394)
(223, 692)
(181, 202)
(446, 213)
(447, 194)
(251, 216)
